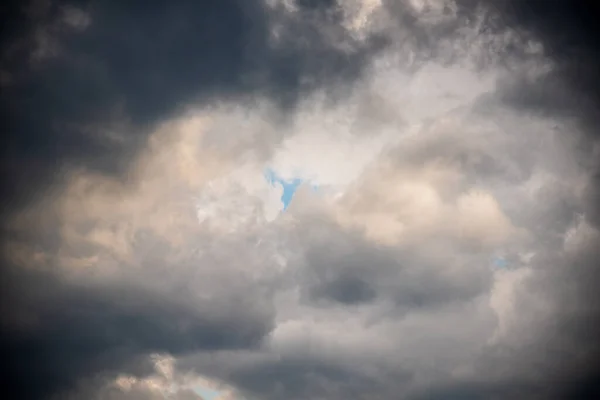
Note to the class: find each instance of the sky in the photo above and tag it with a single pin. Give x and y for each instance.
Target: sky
(288, 187)
(299, 199)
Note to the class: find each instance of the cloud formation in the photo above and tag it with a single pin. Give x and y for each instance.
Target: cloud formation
(449, 251)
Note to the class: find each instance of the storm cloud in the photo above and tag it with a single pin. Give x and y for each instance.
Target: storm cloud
(442, 241)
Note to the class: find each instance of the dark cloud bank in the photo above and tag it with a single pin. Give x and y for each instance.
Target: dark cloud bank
(135, 64)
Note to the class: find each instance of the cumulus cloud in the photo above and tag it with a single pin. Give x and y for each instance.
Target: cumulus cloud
(441, 242)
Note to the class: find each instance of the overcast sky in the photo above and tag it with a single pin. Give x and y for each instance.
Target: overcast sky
(299, 199)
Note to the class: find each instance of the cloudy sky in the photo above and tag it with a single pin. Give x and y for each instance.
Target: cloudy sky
(299, 199)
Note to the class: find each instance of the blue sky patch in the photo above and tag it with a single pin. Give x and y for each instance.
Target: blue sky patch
(289, 186)
(499, 262)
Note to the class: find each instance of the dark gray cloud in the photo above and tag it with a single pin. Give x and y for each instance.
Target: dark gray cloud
(297, 379)
(127, 68)
(567, 32)
(570, 92)
(84, 84)
(592, 199)
(478, 391)
(135, 65)
(348, 271)
(56, 333)
(571, 333)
